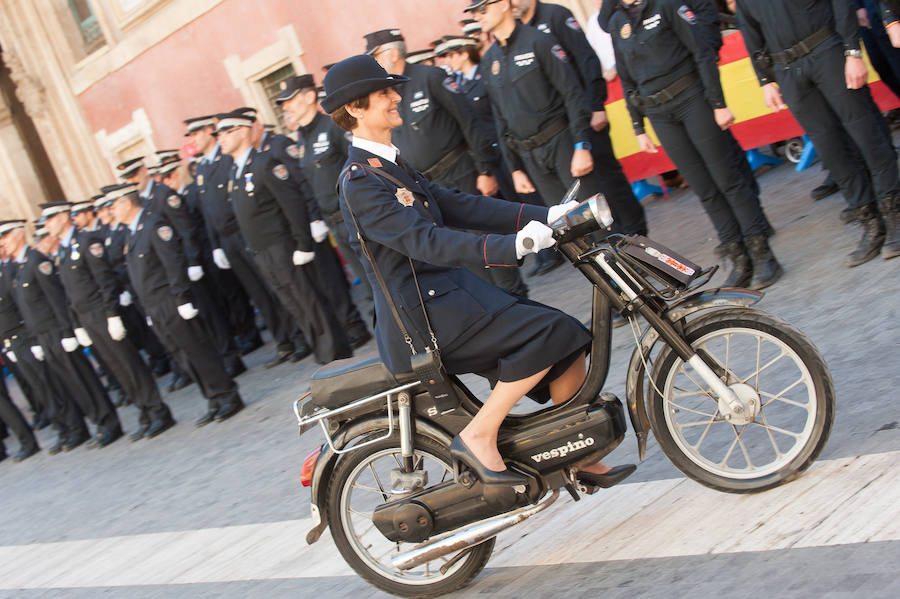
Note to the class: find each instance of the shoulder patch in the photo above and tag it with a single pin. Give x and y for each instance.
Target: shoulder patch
(558, 52)
(174, 201)
(293, 151)
(280, 171)
(165, 233)
(356, 172)
(376, 162)
(687, 14)
(450, 85)
(46, 267)
(96, 249)
(572, 23)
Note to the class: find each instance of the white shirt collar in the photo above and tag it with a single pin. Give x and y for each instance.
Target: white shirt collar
(134, 224)
(21, 255)
(241, 160)
(389, 153)
(146, 192)
(212, 154)
(66, 239)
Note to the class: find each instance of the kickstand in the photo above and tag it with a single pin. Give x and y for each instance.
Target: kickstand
(573, 492)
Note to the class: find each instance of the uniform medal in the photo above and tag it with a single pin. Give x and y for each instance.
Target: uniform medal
(248, 183)
(405, 197)
(625, 32)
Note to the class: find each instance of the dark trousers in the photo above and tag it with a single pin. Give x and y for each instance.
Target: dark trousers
(141, 335)
(342, 240)
(217, 326)
(14, 421)
(816, 91)
(233, 302)
(304, 295)
(609, 179)
(278, 321)
(704, 155)
(331, 273)
(79, 380)
(192, 349)
(129, 369)
(35, 375)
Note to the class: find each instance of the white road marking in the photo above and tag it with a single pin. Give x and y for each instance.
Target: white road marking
(850, 500)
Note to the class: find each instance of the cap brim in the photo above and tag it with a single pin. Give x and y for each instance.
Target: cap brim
(358, 89)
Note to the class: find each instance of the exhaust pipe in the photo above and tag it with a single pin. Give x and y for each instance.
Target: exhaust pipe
(469, 536)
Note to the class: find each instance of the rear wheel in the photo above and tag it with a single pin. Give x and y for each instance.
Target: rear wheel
(771, 365)
(360, 482)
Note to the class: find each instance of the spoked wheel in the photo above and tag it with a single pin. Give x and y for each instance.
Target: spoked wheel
(362, 481)
(772, 367)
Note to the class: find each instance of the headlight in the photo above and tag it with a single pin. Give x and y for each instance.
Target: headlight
(600, 209)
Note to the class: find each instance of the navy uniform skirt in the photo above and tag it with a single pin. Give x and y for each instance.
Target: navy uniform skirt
(520, 341)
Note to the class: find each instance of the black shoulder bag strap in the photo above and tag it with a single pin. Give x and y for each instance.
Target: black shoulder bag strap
(427, 365)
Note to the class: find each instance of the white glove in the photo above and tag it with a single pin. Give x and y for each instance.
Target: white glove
(69, 344)
(188, 311)
(83, 338)
(125, 298)
(221, 259)
(301, 258)
(38, 352)
(554, 213)
(319, 230)
(149, 322)
(540, 236)
(12, 357)
(115, 327)
(195, 273)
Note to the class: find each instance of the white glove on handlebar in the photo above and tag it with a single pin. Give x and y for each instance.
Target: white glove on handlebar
(221, 259)
(319, 230)
(538, 234)
(116, 328)
(195, 273)
(83, 338)
(187, 311)
(555, 212)
(301, 258)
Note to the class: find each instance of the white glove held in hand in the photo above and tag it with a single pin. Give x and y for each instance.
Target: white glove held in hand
(195, 273)
(555, 212)
(221, 259)
(301, 258)
(38, 352)
(541, 237)
(12, 357)
(149, 322)
(116, 328)
(69, 344)
(83, 337)
(125, 298)
(187, 311)
(319, 230)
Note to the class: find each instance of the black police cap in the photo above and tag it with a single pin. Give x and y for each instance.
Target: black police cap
(382, 37)
(292, 86)
(354, 78)
(130, 167)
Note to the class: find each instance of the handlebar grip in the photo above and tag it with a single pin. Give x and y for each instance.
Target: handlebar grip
(528, 243)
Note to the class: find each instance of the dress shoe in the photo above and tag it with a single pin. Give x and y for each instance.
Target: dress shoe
(58, 446)
(251, 346)
(236, 369)
(108, 437)
(301, 352)
(26, 453)
(178, 383)
(138, 434)
(91, 443)
(552, 260)
(462, 454)
(206, 418)
(605, 481)
(228, 410)
(280, 357)
(161, 368)
(359, 338)
(827, 188)
(40, 423)
(158, 427)
(74, 441)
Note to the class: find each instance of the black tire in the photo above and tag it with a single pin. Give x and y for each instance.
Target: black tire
(460, 574)
(817, 381)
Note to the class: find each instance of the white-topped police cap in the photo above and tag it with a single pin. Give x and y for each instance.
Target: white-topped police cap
(11, 225)
(130, 167)
(100, 201)
(40, 232)
(167, 167)
(78, 207)
(53, 208)
(196, 123)
(247, 111)
(472, 28)
(230, 120)
(454, 43)
(164, 156)
(114, 192)
(420, 56)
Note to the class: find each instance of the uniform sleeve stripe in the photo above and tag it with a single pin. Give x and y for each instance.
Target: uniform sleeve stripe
(519, 217)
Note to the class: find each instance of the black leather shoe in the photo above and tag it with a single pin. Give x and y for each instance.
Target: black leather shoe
(552, 260)
(827, 188)
(138, 434)
(280, 357)
(58, 447)
(229, 410)
(206, 418)
(108, 437)
(40, 423)
(26, 453)
(161, 368)
(236, 369)
(611, 478)
(301, 352)
(178, 383)
(158, 427)
(75, 440)
(359, 338)
(463, 454)
(250, 347)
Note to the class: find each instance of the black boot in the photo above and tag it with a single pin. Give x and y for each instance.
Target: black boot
(873, 235)
(890, 213)
(766, 269)
(742, 268)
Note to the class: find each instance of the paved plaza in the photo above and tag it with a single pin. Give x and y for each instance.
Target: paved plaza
(219, 511)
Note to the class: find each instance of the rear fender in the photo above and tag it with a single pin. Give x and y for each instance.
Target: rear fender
(634, 380)
(328, 459)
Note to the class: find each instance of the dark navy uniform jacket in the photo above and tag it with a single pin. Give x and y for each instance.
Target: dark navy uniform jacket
(436, 119)
(156, 263)
(215, 204)
(11, 322)
(459, 303)
(78, 279)
(665, 44)
(772, 26)
(285, 150)
(40, 296)
(322, 152)
(165, 201)
(531, 82)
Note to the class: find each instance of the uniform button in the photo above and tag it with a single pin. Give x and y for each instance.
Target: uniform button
(140, 255)
(24, 284)
(426, 204)
(431, 292)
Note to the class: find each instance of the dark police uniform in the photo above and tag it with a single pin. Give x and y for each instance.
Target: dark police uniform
(479, 328)
(158, 272)
(11, 418)
(274, 219)
(44, 308)
(81, 265)
(213, 177)
(608, 176)
(812, 82)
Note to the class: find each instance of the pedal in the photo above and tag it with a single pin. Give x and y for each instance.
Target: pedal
(587, 489)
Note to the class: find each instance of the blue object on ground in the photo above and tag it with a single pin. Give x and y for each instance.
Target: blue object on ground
(807, 157)
(643, 188)
(758, 159)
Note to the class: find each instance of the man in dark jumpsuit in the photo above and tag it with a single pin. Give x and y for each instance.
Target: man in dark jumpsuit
(158, 272)
(807, 55)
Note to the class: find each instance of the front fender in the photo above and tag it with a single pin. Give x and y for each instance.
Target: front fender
(328, 459)
(634, 387)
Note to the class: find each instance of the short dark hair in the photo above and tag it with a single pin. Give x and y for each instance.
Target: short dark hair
(344, 119)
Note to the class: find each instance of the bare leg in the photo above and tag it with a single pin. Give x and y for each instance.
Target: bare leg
(563, 388)
(480, 435)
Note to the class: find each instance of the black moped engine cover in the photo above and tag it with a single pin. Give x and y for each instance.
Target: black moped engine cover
(561, 438)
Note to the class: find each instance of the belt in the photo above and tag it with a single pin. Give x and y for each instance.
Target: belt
(550, 130)
(666, 94)
(804, 47)
(437, 170)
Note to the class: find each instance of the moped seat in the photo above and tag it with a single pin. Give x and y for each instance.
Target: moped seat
(344, 381)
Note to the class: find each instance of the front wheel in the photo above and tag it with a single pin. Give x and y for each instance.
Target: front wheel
(766, 361)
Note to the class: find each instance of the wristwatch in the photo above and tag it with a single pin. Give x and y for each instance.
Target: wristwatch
(853, 53)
